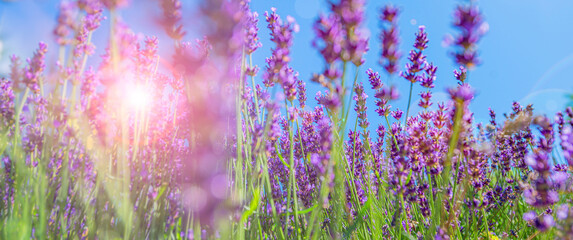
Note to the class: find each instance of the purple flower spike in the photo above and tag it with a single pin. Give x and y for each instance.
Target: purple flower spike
(172, 18)
(469, 21)
(350, 13)
(339, 35)
(421, 39)
(418, 62)
(328, 31)
(441, 234)
(389, 14)
(301, 93)
(35, 68)
(425, 99)
(277, 70)
(374, 79)
(427, 80)
(66, 23)
(360, 107)
(6, 103)
(329, 100)
(541, 194)
(390, 39)
(251, 32)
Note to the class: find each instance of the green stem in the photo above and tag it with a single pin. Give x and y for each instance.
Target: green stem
(292, 178)
(409, 101)
(17, 121)
(455, 137)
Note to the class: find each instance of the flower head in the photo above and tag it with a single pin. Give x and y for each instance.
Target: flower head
(461, 93)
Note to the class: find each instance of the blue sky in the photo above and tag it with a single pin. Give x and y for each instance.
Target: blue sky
(527, 55)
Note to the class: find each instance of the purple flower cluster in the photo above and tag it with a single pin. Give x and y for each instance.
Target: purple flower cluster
(214, 154)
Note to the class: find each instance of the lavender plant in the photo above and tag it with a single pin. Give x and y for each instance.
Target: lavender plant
(201, 145)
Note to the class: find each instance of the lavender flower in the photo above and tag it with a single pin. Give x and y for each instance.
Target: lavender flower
(462, 93)
(277, 70)
(427, 80)
(350, 13)
(83, 46)
(441, 234)
(329, 37)
(251, 32)
(360, 107)
(6, 103)
(397, 114)
(306, 185)
(88, 87)
(66, 23)
(301, 90)
(90, 6)
(542, 223)
(16, 73)
(390, 39)
(172, 18)
(425, 99)
(329, 100)
(33, 71)
(94, 17)
(469, 21)
(374, 79)
(569, 111)
(417, 61)
(541, 195)
(383, 94)
(421, 42)
(196, 156)
(461, 75)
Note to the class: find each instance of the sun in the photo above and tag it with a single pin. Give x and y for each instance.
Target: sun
(139, 97)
